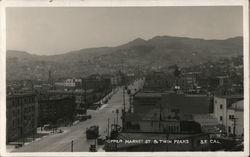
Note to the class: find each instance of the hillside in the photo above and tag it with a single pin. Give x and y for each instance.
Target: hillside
(158, 52)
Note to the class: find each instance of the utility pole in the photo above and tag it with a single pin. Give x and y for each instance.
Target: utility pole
(85, 93)
(72, 145)
(167, 136)
(123, 93)
(160, 118)
(234, 124)
(117, 112)
(108, 127)
(124, 103)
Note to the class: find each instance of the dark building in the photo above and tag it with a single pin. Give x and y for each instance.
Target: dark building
(162, 82)
(99, 83)
(157, 81)
(53, 109)
(187, 104)
(22, 115)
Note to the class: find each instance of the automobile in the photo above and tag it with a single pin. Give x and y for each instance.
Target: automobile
(128, 91)
(47, 127)
(105, 101)
(83, 118)
(18, 145)
(94, 107)
(100, 141)
(92, 148)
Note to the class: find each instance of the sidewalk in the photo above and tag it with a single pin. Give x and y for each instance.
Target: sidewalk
(30, 139)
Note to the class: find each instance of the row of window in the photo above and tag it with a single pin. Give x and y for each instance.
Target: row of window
(25, 110)
(172, 129)
(231, 117)
(17, 123)
(20, 101)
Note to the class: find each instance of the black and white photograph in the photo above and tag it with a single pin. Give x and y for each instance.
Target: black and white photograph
(97, 79)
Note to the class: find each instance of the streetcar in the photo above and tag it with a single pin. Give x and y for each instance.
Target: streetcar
(92, 132)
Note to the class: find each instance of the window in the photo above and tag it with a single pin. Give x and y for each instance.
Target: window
(220, 106)
(220, 118)
(231, 117)
(229, 129)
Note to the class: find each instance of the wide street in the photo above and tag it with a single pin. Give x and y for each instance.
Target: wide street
(61, 142)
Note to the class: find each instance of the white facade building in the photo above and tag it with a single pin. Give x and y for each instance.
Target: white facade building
(235, 118)
(72, 82)
(226, 108)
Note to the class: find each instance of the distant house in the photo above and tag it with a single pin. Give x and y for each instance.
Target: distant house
(222, 80)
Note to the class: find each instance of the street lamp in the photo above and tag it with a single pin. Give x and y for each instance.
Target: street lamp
(117, 112)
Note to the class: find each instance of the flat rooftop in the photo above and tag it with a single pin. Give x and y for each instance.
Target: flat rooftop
(151, 94)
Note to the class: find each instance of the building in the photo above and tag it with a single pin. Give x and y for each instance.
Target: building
(112, 80)
(145, 101)
(70, 83)
(188, 104)
(235, 120)
(55, 109)
(157, 81)
(158, 112)
(178, 102)
(22, 113)
(208, 123)
(159, 122)
(225, 106)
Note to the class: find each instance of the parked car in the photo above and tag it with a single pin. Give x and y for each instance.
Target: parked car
(47, 127)
(100, 141)
(92, 148)
(83, 117)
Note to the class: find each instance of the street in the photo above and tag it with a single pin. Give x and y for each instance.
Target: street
(61, 142)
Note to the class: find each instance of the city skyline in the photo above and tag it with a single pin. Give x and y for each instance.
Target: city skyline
(163, 79)
(64, 30)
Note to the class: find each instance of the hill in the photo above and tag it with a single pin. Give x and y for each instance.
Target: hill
(158, 52)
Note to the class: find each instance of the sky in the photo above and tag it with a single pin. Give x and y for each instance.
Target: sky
(56, 30)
